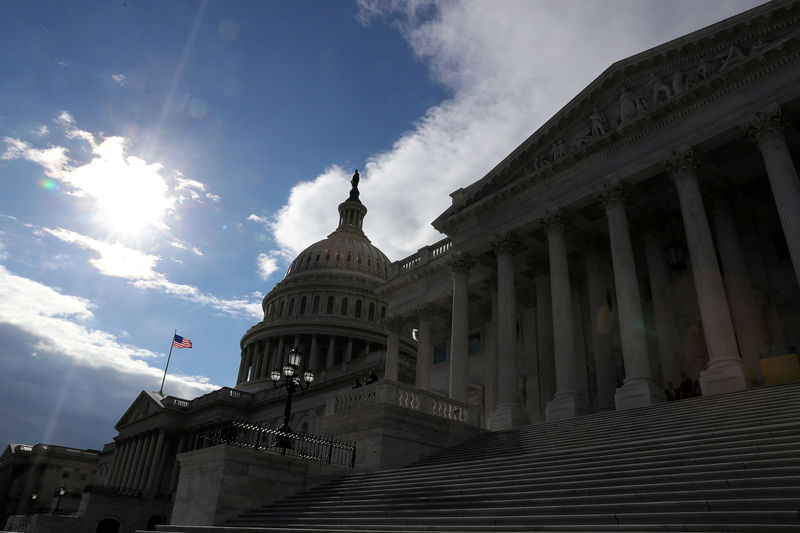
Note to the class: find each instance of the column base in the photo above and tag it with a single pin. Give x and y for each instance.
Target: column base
(728, 375)
(638, 394)
(506, 417)
(565, 406)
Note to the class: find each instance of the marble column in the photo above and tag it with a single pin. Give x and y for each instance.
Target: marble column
(544, 328)
(567, 402)
(155, 468)
(153, 435)
(460, 265)
(393, 326)
(119, 463)
(331, 352)
(726, 371)
(491, 357)
(424, 347)
(249, 363)
(137, 479)
(257, 360)
(766, 128)
(264, 373)
(669, 349)
(749, 329)
(277, 361)
(508, 413)
(578, 319)
(639, 387)
(348, 353)
(130, 467)
(600, 314)
(315, 360)
(240, 376)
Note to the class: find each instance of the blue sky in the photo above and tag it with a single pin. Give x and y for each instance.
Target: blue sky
(162, 162)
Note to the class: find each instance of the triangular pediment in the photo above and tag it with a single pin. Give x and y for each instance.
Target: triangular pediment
(146, 404)
(628, 97)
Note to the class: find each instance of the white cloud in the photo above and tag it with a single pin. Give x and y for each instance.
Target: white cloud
(64, 119)
(52, 159)
(41, 131)
(267, 264)
(213, 197)
(117, 260)
(120, 79)
(510, 66)
(261, 220)
(61, 322)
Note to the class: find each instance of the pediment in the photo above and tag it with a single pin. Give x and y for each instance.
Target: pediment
(630, 95)
(146, 404)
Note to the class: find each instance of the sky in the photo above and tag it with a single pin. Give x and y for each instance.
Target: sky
(161, 163)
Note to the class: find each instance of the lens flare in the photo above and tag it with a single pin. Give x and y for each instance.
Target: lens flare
(198, 108)
(228, 30)
(48, 184)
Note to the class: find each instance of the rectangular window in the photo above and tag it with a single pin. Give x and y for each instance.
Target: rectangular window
(474, 344)
(440, 353)
(65, 475)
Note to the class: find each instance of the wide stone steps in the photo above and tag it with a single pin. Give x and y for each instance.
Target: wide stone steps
(725, 463)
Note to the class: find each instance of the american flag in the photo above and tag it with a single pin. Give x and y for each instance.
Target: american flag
(181, 342)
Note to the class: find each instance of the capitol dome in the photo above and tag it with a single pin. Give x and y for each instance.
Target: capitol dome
(327, 305)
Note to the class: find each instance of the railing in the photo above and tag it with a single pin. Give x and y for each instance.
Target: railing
(271, 439)
(423, 256)
(407, 397)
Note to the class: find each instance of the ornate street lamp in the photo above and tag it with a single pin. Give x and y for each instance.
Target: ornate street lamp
(290, 379)
(34, 495)
(676, 255)
(61, 492)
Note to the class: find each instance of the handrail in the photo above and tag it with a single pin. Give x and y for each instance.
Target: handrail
(422, 257)
(245, 434)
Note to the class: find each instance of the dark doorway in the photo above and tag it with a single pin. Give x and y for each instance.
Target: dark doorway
(109, 525)
(153, 522)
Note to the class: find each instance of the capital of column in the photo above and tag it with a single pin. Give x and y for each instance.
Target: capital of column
(681, 162)
(393, 324)
(765, 125)
(505, 243)
(460, 263)
(554, 218)
(612, 194)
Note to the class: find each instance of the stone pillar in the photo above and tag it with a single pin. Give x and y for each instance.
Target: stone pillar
(155, 469)
(726, 371)
(749, 329)
(508, 413)
(249, 363)
(348, 354)
(567, 402)
(766, 128)
(137, 479)
(639, 387)
(393, 326)
(257, 361)
(600, 314)
(148, 459)
(331, 352)
(491, 357)
(277, 361)
(663, 304)
(315, 361)
(544, 329)
(119, 463)
(264, 372)
(424, 347)
(459, 332)
(133, 460)
(578, 319)
(240, 375)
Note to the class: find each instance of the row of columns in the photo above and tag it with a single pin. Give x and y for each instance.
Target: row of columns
(726, 370)
(138, 461)
(260, 357)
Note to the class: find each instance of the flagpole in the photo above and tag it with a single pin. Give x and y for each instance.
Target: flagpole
(161, 390)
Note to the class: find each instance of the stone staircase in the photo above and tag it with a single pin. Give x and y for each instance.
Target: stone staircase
(724, 463)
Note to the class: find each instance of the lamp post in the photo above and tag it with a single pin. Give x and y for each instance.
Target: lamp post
(61, 492)
(288, 378)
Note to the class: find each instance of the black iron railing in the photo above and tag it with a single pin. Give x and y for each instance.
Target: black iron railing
(245, 434)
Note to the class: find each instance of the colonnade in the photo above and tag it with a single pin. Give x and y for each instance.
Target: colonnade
(321, 352)
(731, 330)
(139, 461)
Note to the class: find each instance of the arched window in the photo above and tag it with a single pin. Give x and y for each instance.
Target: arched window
(344, 306)
(316, 259)
(280, 312)
(315, 308)
(327, 256)
(358, 309)
(291, 307)
(329, 307)
(303, 305)
(358, 259)
(308, 259)
(349, 257)
(371, 313)
(383, 313)
(338, 256)
(369, 260)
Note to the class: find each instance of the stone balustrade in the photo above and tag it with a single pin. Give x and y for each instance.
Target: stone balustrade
(422, 257)
(405, 396)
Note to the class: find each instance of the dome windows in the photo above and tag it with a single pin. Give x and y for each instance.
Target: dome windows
(344, 307)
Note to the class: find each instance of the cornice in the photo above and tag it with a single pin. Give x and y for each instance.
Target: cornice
(523, 174)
